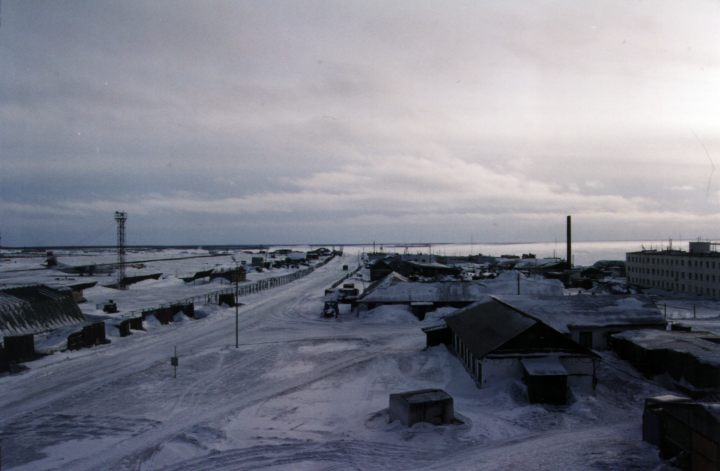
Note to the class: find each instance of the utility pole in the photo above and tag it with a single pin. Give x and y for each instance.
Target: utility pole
(236, 275)
(174, 363)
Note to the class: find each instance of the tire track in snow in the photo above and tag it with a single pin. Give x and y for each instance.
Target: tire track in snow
(67, 378)
(262, 390)
(50, 388)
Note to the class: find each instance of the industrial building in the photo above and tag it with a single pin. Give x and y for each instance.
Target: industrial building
(695, 272)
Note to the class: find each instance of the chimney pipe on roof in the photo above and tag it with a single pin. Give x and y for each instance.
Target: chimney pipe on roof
(569, 242)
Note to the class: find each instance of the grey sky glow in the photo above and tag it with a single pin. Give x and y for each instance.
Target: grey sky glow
(352, 121)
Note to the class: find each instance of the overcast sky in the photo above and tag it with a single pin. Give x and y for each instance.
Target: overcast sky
(340, 121)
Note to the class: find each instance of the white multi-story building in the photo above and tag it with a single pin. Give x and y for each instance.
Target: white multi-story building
(694, 272)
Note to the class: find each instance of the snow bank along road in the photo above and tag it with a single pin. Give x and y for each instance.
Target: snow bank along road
(301, 392)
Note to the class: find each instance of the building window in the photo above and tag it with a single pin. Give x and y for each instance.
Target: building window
(586, 339)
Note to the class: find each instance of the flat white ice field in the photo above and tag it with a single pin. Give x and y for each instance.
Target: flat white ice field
(300, 393)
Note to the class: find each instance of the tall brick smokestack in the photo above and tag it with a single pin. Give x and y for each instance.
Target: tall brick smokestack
(569, 242)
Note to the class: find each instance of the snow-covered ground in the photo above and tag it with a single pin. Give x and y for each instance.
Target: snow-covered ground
(300, 393)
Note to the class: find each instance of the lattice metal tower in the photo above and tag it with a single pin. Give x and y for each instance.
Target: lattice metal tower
(120, 218)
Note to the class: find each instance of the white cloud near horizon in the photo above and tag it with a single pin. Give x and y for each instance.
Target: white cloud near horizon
(358, 120)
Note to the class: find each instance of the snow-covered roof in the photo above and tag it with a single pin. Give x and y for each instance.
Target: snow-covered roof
(528, 263)
(396, 289)
(691, 343)
(488, 325)
(565, 312)
(544, 366)
(34, 309)
(296, 256)
(426, 292)
(433, 265)
(424, 395)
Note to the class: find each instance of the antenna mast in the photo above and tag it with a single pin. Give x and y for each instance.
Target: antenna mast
(120, 218)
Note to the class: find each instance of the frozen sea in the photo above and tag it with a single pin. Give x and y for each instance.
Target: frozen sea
(584, 253)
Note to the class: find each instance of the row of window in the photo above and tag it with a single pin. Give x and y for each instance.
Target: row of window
(677, 275)
(673, 261)
(670, 285)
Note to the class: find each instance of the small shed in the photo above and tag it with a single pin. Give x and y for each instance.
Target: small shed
(434, 406)
(437, 335)
(131, 323)
(90, 335)
(227, 299)
(546, 380)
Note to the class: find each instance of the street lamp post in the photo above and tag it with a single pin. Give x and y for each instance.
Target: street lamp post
(236, 275)
(237, 278)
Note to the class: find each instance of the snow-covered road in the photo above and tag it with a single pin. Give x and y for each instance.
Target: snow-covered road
(301, 392)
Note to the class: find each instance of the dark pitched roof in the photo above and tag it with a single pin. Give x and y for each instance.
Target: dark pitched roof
(493, 326)
(488, 325)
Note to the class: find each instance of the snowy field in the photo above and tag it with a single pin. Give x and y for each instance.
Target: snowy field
(301, 393)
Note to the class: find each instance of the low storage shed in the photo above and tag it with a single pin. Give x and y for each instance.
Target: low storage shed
(691, 359)
(436, 335)
(90, 335)
(434, 406)
(546, 380)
